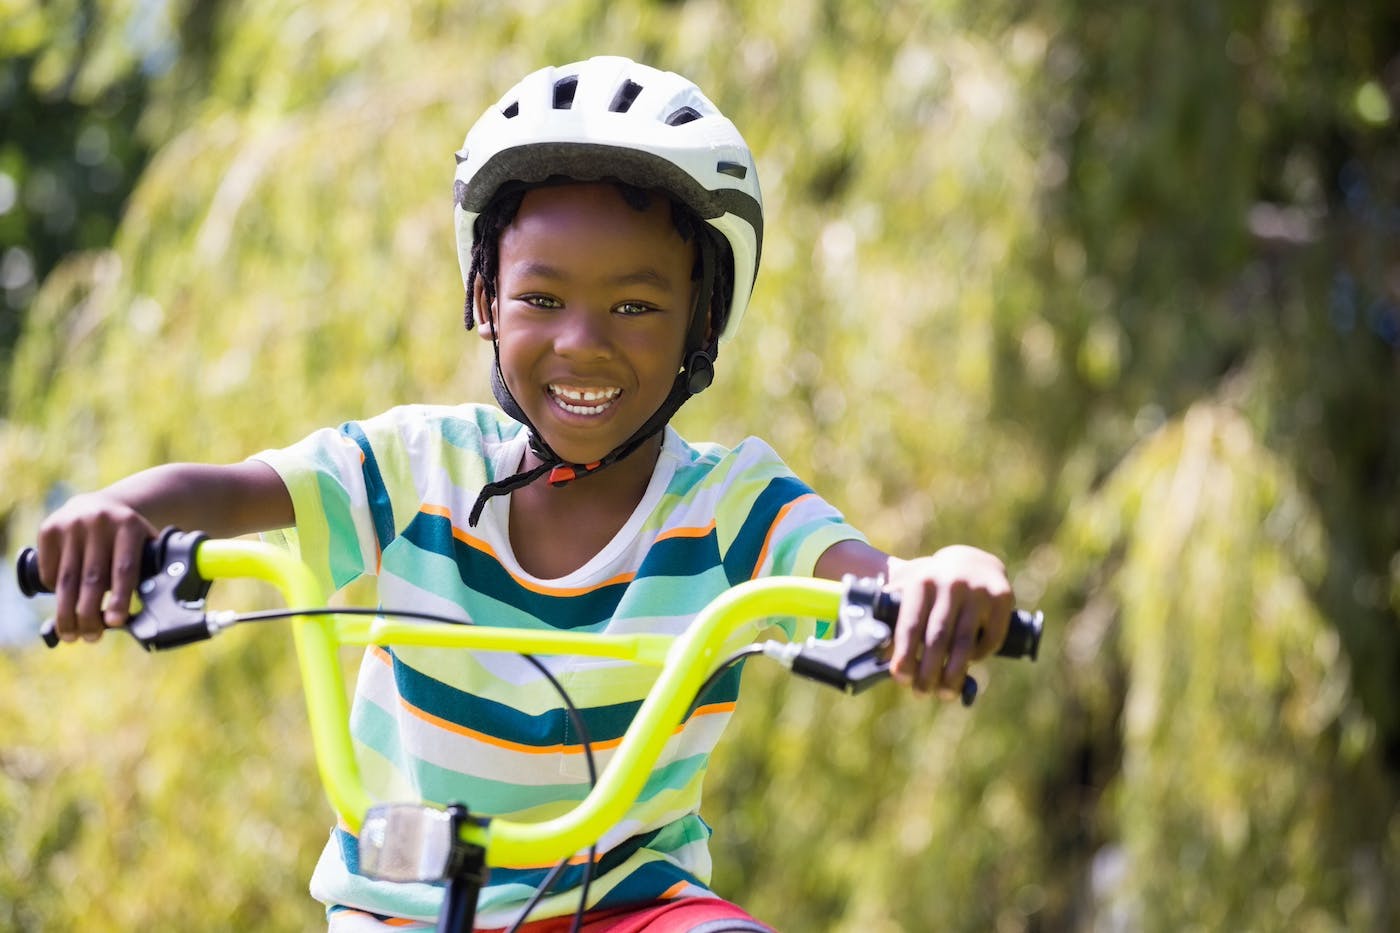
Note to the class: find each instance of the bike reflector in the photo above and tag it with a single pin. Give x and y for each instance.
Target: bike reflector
(407, 842)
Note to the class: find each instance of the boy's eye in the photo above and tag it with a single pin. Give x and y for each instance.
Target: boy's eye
(634, 307)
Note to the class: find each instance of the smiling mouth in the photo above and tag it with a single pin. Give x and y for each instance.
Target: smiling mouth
(579, 401)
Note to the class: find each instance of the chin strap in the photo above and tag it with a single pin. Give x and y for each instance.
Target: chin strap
(695, 376)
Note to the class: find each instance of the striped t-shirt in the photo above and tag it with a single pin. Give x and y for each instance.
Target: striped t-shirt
(389, 497)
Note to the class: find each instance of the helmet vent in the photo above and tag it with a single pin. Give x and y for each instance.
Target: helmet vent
(682, 116)
(512, 111)
(736, 169)
(625, 95)
(564, 92)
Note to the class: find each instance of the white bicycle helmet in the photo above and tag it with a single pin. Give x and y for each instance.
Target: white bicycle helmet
(612, 118)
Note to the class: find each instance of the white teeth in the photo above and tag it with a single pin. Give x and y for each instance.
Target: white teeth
(585, 395)
(593, 400)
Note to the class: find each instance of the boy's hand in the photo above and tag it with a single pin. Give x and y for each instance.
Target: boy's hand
(955, 609)
(88, 549)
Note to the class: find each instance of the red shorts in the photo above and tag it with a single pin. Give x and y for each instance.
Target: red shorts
(687, 915)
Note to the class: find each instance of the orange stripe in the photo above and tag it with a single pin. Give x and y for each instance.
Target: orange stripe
(675, 890)
(449, 726)
(768, 539)
(710, 709)
(387, 921)
(483, 547)
(691, 532)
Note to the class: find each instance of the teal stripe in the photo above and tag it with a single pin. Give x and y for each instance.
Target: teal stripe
(466, 434)
(430, 571)
(380, 508)
(373, 727)
(478, 713)
(572, 876)
(741, 560)
(673, 776)
(646, 883)
(436, 572)
(604, 722)
(682, 832)
(343, 557)
(493, 798)
(680, 556)
(688, 476)
(669, 597)
(484, 574)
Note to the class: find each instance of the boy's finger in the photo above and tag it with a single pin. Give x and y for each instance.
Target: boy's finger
(937, 634)
(65, 578)
(126, 568)
(909, 632)
(96, 577)
(964, 640)
(995, 624)
(50, 548)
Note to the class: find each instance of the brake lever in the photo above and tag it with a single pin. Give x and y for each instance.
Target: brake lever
(171, 589)
(852, 661)
(857, 657)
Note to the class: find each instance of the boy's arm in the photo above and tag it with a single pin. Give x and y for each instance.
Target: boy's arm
(955, 608)
(92, 545)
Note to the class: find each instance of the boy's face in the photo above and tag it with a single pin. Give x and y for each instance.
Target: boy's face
(594, 299)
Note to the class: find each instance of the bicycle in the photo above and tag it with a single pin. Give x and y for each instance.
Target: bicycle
(418, 841)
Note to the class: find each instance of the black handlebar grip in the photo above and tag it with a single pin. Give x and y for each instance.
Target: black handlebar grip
(31, 585)
(1022, 635)
(27, 567)
(27, 572)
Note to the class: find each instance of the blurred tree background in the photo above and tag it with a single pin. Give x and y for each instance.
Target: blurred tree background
(1111, 289)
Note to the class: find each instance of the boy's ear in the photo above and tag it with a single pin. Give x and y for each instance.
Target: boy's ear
(485, 312)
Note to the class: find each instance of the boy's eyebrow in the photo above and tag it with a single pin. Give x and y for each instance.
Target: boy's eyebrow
(643, 276)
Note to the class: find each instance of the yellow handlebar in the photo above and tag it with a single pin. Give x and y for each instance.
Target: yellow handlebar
(685, 662)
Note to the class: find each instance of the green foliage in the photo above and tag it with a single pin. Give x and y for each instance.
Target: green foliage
(141, 791)
(69, 150)
(1107, 289)
(1262, 728)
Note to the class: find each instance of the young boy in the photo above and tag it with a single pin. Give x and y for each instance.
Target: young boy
(609, 225)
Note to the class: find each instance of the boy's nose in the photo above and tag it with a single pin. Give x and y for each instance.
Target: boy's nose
(583, 333)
